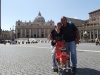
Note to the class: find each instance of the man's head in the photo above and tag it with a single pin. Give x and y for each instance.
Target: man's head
(64, 20)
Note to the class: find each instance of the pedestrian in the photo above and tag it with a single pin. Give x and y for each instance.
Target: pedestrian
(71, 37)
(54, 35)
(97, 41)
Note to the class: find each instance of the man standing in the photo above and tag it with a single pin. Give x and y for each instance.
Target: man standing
(71, 37)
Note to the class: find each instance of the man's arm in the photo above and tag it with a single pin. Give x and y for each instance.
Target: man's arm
(77, 36)
(77, 33)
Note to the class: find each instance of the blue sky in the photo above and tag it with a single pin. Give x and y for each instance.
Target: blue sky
(13, 10)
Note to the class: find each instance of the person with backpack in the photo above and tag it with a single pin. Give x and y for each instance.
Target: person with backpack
(71, 37)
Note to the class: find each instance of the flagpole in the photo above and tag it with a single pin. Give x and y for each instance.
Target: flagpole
(0, 20)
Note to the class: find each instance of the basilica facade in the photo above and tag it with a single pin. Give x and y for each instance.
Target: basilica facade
(36, 29)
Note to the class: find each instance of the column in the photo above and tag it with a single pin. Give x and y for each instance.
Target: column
(97, 33)
(36, 33)
(40, 32)
(93, 35)
(30, 33)
(16, 33)
(48, 33)
(25, 33)
(90, 34)
(21, 34)
(44, 32)
(2, 37)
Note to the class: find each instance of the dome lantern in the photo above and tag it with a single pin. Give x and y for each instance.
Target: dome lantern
(39, 14)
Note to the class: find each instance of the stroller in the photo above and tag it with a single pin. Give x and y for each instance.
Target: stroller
(66, 70)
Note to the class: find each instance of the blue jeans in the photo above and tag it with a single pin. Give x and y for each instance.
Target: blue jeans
(71, 50)
(53, 57)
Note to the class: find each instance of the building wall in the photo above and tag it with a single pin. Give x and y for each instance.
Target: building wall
(94, 17)
(92, 27)
(33, 30)
(5, 35)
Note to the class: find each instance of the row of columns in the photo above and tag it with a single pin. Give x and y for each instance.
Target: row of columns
(38, 32)
(32, 32)
(91, 33)
(4, 37)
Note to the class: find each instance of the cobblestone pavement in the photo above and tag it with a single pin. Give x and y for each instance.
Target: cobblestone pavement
(35, 59)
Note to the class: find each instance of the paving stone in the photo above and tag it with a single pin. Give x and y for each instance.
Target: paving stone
(35, 59)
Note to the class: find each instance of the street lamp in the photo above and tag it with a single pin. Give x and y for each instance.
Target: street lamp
(11, 33)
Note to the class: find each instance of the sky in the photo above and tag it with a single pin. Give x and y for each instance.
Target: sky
(14, 10)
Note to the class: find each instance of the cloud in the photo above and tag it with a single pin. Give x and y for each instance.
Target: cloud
(75, 18)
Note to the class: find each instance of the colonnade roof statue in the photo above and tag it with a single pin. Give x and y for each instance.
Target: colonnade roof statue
(85, 35)
(85, 32)
(39, 18)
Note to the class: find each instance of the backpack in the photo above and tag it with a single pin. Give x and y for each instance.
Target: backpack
(70, 23)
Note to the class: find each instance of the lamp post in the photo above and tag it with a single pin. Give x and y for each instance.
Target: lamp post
(12, 33)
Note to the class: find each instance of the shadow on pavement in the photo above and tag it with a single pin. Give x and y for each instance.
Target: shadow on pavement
(87, 71)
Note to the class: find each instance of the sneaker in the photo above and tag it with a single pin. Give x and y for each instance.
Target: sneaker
(66, 70)
(74, 69)
(63, 68)
(52, 68)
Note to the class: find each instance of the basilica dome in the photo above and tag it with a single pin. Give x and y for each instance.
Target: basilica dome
(39, 18)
